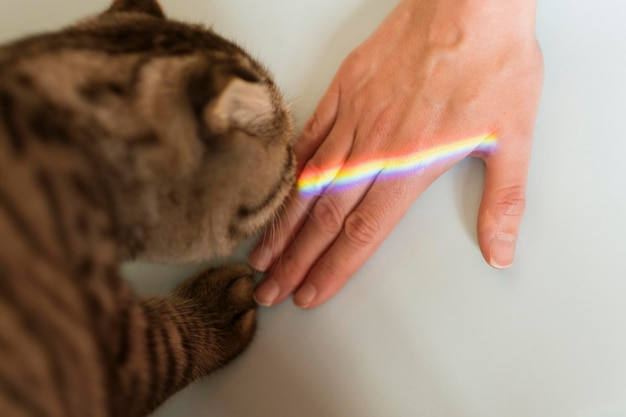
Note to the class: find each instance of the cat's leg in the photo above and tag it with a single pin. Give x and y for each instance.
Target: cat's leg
(166, 343)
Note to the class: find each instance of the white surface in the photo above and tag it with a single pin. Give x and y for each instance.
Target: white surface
(426, 328)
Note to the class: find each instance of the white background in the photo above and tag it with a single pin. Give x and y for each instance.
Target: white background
(426, 328)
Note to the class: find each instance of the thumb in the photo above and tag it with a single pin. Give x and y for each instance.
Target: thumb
(503, 202)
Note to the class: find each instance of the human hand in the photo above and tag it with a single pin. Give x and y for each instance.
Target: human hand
(432, 76)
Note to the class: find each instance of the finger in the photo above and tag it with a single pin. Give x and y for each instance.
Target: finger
(318, 127)
(503, 201)
(330, 156)
(325, 219)
(322, 227)
(369, 224)
(364, 230)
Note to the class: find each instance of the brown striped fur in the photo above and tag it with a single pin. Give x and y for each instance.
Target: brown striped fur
(128, 136)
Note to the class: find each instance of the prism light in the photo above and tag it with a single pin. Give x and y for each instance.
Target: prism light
(343, 176)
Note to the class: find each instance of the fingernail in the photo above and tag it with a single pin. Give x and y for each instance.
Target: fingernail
(502, 250)
(267, 293)
(260, 259)
(257, 276)
(305, 295)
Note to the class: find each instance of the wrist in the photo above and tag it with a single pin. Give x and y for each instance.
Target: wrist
(493, 18)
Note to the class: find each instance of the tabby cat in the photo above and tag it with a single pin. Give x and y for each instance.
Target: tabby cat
(128, 136)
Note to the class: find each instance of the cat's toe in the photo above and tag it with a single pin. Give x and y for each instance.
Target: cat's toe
(239, 296)
(224, 294)
(240, 291)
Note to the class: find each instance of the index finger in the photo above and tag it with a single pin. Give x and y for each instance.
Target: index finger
(318, 127)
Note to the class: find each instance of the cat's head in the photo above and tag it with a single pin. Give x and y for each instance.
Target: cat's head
(207, 137)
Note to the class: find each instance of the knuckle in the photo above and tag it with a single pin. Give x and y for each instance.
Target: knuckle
(313, 169)
(314, 177)
(330, 269)
(361, 228)
(312, 130)
(511, 201)
(359, 101)
(353, 65)
(383, 123)
(328, 215)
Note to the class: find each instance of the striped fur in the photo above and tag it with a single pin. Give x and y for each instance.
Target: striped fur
(128, 136)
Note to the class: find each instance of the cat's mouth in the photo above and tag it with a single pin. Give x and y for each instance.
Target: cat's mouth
(249, 220)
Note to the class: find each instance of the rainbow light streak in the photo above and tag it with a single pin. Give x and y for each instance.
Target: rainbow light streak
(345, 176)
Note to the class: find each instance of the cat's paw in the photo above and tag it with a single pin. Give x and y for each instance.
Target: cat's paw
(223, 298)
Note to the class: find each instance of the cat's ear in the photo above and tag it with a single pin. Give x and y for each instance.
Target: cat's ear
(244, 105)
(233, 97)
(150, 7)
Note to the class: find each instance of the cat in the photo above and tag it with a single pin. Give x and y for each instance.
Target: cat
(129, 136)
